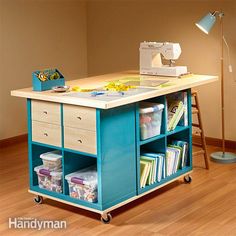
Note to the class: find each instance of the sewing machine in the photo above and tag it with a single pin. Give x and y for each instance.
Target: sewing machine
(151, 61)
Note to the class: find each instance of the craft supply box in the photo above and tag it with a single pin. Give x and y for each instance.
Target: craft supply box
(83, 184)
(52, 160)
(150, 119)
(46, 85)
(50, 180)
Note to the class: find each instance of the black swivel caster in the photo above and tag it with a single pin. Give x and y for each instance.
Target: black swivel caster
(106, 218)
(187, 179)
(38, 199)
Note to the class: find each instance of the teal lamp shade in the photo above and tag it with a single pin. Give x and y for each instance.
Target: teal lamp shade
(206, 23)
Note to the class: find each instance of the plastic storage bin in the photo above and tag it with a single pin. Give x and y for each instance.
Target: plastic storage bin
(50, 180)
(83, 184)
(150, 119)
(52, 160)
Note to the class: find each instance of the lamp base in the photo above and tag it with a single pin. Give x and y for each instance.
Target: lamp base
(220, 157)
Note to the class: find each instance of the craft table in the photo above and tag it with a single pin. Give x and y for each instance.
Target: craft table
(90, 130)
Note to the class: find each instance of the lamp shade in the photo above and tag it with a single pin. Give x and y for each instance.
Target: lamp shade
(206, 23)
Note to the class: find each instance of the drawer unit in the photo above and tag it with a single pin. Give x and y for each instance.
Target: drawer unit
(46, 133)
(79, 117)
(80, 140)
(48, 112)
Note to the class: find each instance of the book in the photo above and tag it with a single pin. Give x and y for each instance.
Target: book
(184, 146)
(180, 153)
(151, 174)
(175, 110)
(176, 153)
(144, 172)
(185, 94)
(157, 160)
(178, 117)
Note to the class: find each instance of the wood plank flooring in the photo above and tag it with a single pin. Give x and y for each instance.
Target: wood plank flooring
(207, 206)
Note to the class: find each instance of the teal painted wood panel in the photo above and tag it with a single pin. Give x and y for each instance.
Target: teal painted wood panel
(118, 154)
(117, 157)
(190, 127)
(138, 144)
(29, 126)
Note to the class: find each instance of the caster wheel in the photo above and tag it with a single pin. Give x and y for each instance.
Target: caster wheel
(187, 179)
(38, 199)
(106, 219)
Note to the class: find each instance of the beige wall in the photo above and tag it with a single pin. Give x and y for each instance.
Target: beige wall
(111, 32)
(37, 34)
(115, 29)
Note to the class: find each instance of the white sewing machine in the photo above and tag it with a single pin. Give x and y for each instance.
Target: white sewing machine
(151, 62)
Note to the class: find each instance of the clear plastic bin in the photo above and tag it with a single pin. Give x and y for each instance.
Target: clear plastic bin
(150, 119)
(52, 160)
(83, 184)
(50, 180)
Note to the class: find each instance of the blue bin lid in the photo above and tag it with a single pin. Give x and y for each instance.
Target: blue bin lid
(148, 107)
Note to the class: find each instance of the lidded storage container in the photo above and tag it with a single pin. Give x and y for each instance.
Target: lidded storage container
(83, 184)
(52, 160)
(150, 119)
(50, 180)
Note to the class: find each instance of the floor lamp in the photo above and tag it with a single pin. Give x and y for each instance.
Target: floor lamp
(205, 24)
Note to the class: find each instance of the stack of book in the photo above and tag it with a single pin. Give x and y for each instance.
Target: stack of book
(156, 166)
(177, 108)
(176, 156)
(151, 168)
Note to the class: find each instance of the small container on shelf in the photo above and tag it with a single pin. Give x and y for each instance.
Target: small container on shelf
(47, 79)
(50, 180)
(51, 160)
(83, 184)
(150, 119)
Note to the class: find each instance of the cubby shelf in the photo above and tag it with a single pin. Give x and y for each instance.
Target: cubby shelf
(117, 159)
(80, 153)
(64, 149)
(177, 130)
(142, 142)
(159, 143)
(47, 145)
(165, 180)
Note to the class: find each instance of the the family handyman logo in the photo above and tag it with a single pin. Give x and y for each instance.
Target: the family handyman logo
(33, 223)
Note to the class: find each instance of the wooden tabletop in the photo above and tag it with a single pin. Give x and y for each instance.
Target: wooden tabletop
(174, 84)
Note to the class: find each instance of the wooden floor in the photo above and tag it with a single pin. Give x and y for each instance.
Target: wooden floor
(207, 206)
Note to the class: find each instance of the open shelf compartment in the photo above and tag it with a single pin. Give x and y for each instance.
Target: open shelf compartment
(71, 162)
(159, 143)
(158, 100)
(36, 161)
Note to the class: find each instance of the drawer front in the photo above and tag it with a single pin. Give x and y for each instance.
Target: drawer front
(80, 140)
(46, 112)
(79, 117)
(46, 133)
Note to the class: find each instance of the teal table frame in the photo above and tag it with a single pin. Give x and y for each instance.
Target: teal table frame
(117, 158)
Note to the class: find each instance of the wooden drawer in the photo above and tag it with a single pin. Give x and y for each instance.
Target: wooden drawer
(46, 112)
(80, 140)
(46, 133)
(79, 117)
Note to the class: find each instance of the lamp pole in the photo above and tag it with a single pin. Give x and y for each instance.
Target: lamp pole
(205, 24)
(222, 85)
